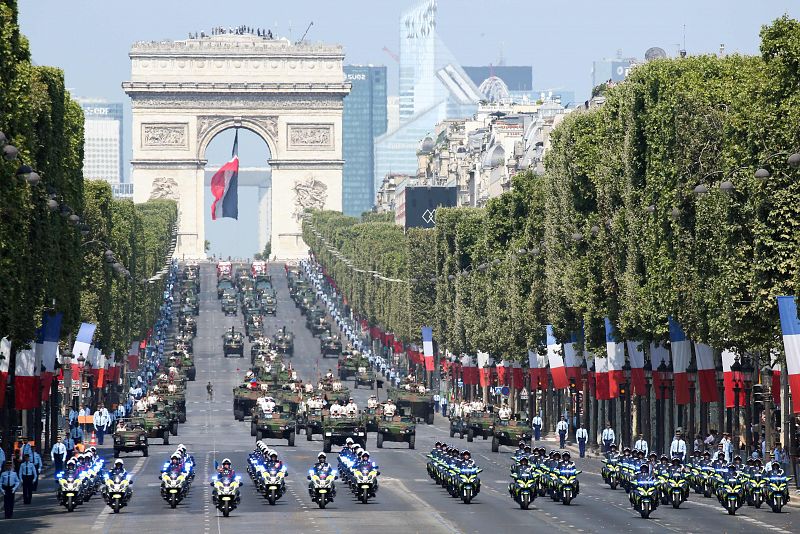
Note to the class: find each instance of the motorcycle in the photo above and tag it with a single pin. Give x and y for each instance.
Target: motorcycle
(322, 488)
(523, 487)
(468, 484)
(755, 488)
(567, 487)
(730, 494)
(644, 497)
(677, 489)
(174, 488)
(365, 483)
(272, 483)
(610, 473)
(116, 491)
(777, 493)
(70, 490)
(226, 494)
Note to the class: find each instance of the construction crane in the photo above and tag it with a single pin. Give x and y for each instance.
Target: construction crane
(392, 54)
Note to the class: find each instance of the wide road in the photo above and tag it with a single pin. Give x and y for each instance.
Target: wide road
(407, 500)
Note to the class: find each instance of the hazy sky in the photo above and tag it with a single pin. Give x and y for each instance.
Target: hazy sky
(90, 39)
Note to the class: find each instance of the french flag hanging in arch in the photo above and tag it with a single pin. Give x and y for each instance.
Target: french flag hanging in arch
(224, 186)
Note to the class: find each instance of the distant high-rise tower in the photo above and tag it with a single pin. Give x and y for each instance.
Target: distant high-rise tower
(102, 147)
(433, 87)
(363, 120)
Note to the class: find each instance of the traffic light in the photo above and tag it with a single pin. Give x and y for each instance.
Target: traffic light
(572, 385)
(758, 397)
(623, 389)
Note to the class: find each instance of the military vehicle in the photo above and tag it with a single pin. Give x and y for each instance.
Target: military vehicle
(335, 431)
(275, 425)
(233, 343)
(222, 285)
(283, 341)
(364, 377)
(333, 391)
(191, 302)
(170, 412)
(254, 325)
(311, 421)
(133, 438)
(420, 404)
(458, 426)
(157, 425)
(263, 284)
(398, 428)
(330, 346)
(479, 424)
(509, 432)
(244, 400)
(269, 304)
(349, 365)
(229, 306)
(320, 328)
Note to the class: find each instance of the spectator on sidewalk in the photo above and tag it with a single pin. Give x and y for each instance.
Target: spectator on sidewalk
(444, 406)
(59, 455)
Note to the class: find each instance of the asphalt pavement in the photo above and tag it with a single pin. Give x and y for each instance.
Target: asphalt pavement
(408, 501)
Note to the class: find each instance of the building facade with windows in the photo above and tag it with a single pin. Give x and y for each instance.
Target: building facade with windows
(364, 119)
(102, 146)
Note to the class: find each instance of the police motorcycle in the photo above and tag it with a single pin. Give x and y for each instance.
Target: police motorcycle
(755, 484)
(611, 469)
(69, 492)
(271, 479)
(365, 478)
(644, 493)
(438, 463)
(226, 484)
(676, 486)
(117, 490)
(566, 486)
(464, 482)
(777, 494)
(175, 481)
(522, 487)
(730, 490)
(321, 487)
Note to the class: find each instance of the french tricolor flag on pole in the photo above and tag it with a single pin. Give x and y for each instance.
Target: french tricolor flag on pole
(27, 384)
(556, 360)
(224, 186)
(730, 379)
(616, 360)
(82, 346)
(572, 359)
(681, 354)
(535, 370)
(427, 347)
(790, 325)
(636, 357)
(707, 374)
(47, 346)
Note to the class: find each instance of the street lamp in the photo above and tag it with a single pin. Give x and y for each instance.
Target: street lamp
(736, 371)
(660, 417)
(691, 372)
(747, 374)
(81, 363)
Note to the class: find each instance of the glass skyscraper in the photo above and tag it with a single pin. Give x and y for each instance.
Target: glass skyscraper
(363, 120)
(102, 145)
(433, 87)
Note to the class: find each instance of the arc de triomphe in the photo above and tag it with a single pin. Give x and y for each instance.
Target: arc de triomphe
(183, 93)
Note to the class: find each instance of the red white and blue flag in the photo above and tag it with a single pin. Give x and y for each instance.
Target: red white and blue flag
(790, 326)
(427, 347)
(47, 345)
(615, 352)
(224, 186)
(681, 355)
(556, 360)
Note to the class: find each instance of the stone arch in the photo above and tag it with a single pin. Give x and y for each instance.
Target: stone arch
(209, 126)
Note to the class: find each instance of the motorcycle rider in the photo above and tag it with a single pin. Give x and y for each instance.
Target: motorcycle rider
(321, 466)
(273, 460)
(225, 470)
(118, 469)
(773, 469)
(520, 452)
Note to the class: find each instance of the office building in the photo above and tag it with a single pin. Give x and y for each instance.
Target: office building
(432, 87)
(102, 147)
(364, 119)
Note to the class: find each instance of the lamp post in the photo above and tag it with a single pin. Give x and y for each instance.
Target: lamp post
(660, 415)
(747, 374)
(645, 427)
(736, 371)
(81, 365)
(691, 372)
